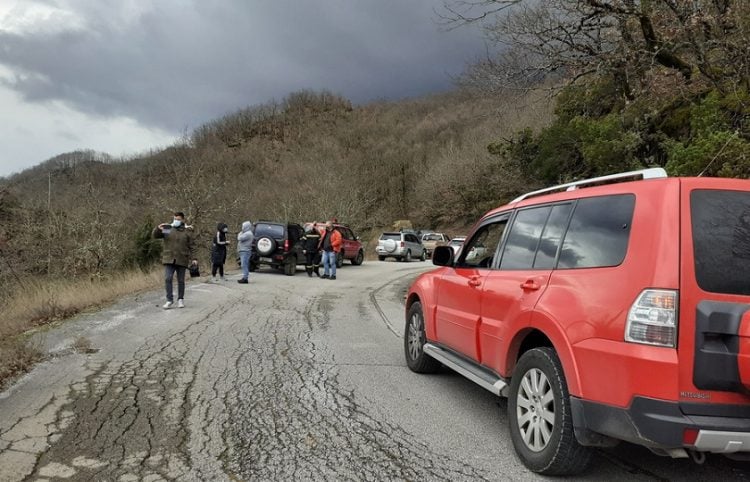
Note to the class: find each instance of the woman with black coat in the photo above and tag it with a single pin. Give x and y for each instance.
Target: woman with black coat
(219, 251)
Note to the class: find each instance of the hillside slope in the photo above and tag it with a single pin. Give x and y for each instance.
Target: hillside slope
(312, 156)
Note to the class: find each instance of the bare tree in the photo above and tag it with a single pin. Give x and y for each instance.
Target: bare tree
(701, 41)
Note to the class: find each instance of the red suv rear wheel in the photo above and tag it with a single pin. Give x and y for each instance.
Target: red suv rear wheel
(541, 423)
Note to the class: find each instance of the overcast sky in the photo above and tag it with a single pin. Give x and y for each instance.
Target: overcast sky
(123, 76)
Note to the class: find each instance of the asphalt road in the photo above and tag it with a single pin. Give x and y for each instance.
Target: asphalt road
(287, 378)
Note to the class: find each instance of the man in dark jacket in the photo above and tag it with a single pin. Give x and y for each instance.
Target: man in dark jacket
(177, 255)
(219, 251)
(312, 242)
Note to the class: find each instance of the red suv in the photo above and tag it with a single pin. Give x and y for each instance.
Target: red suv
(351, 246)
(611, 309)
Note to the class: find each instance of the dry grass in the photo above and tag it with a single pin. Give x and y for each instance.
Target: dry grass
(16, 356)
(42, 302)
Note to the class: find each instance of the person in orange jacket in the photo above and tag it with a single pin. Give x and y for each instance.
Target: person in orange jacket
(330, 245)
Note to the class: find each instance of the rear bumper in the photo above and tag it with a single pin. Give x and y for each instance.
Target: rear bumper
(397, 252)
(272, 260)
(661, 425)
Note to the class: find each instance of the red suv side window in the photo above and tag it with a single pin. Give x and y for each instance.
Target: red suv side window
(599, 232)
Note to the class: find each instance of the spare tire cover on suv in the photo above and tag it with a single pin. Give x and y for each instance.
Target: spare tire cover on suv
(389, 245)
(266, 245)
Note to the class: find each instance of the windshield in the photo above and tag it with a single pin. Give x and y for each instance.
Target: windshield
(432, 237)
(456, 242)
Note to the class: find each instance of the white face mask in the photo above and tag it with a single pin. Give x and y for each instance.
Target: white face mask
(176, 223)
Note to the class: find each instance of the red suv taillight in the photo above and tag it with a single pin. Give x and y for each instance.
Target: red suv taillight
(403, 244)
(652, 320)
(286, 245)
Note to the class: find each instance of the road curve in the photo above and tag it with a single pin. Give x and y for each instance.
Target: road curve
(287, 378)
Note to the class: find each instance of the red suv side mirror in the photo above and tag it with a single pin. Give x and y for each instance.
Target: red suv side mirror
(442, 256)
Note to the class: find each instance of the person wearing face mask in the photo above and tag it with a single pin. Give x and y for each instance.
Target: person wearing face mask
(177, 255)
(219, 251)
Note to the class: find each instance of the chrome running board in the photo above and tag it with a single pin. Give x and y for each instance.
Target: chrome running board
(476, 373)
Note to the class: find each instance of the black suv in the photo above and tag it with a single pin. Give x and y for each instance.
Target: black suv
(279, 245)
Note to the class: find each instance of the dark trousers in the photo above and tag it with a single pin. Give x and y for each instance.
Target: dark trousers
(217, 267)
(312, 261)
(169, 271)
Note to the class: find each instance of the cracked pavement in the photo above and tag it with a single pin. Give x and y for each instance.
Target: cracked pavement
(287, 378)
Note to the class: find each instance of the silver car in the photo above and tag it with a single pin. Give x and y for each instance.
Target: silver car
(399, 245)
(456, 244)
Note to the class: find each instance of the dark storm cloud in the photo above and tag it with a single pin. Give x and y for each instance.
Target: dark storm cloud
(178, 64)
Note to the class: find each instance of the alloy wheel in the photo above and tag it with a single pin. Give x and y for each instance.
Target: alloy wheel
(416, 335)
(535, 410)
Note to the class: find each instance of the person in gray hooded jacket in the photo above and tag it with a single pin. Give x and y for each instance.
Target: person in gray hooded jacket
(245, 249)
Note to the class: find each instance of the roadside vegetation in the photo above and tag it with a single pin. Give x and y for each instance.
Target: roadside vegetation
(41, 301)
(576, 89)
(651, 83)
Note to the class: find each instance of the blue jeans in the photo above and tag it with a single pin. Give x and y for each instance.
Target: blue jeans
(329, 260)
(245, 262)
(169, 271)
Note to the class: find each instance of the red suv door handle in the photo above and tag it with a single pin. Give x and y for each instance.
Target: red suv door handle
(474, 281)
(530, 284)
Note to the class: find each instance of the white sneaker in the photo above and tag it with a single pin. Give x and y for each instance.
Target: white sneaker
(180, 304)
(167, 305)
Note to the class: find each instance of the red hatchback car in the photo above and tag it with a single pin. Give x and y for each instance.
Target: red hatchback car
(616, 308)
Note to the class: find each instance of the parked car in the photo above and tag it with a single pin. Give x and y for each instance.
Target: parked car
(278, 245)
(456, 244)
(431, 240)
(611, 309)
(351, 245)
(400, 245)
(352, 248)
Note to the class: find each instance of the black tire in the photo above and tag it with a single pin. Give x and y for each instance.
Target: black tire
(399, 258)
(551, 447)
(290, 267)
(381, 258)
(414, 340)
(340, 259)
(359, 259)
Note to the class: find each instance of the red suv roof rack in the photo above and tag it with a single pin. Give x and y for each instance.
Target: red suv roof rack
(651, 173)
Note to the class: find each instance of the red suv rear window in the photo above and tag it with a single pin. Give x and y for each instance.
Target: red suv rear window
(721, 240)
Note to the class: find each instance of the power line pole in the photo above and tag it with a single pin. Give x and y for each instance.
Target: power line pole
(49, 222)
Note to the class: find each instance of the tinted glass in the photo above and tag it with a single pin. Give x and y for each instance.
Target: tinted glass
(721, 240)
(599, 232)
(275, 231)
(295, 233)
(432, 237)
(551, 236)
(523, 238)
(480, 250)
